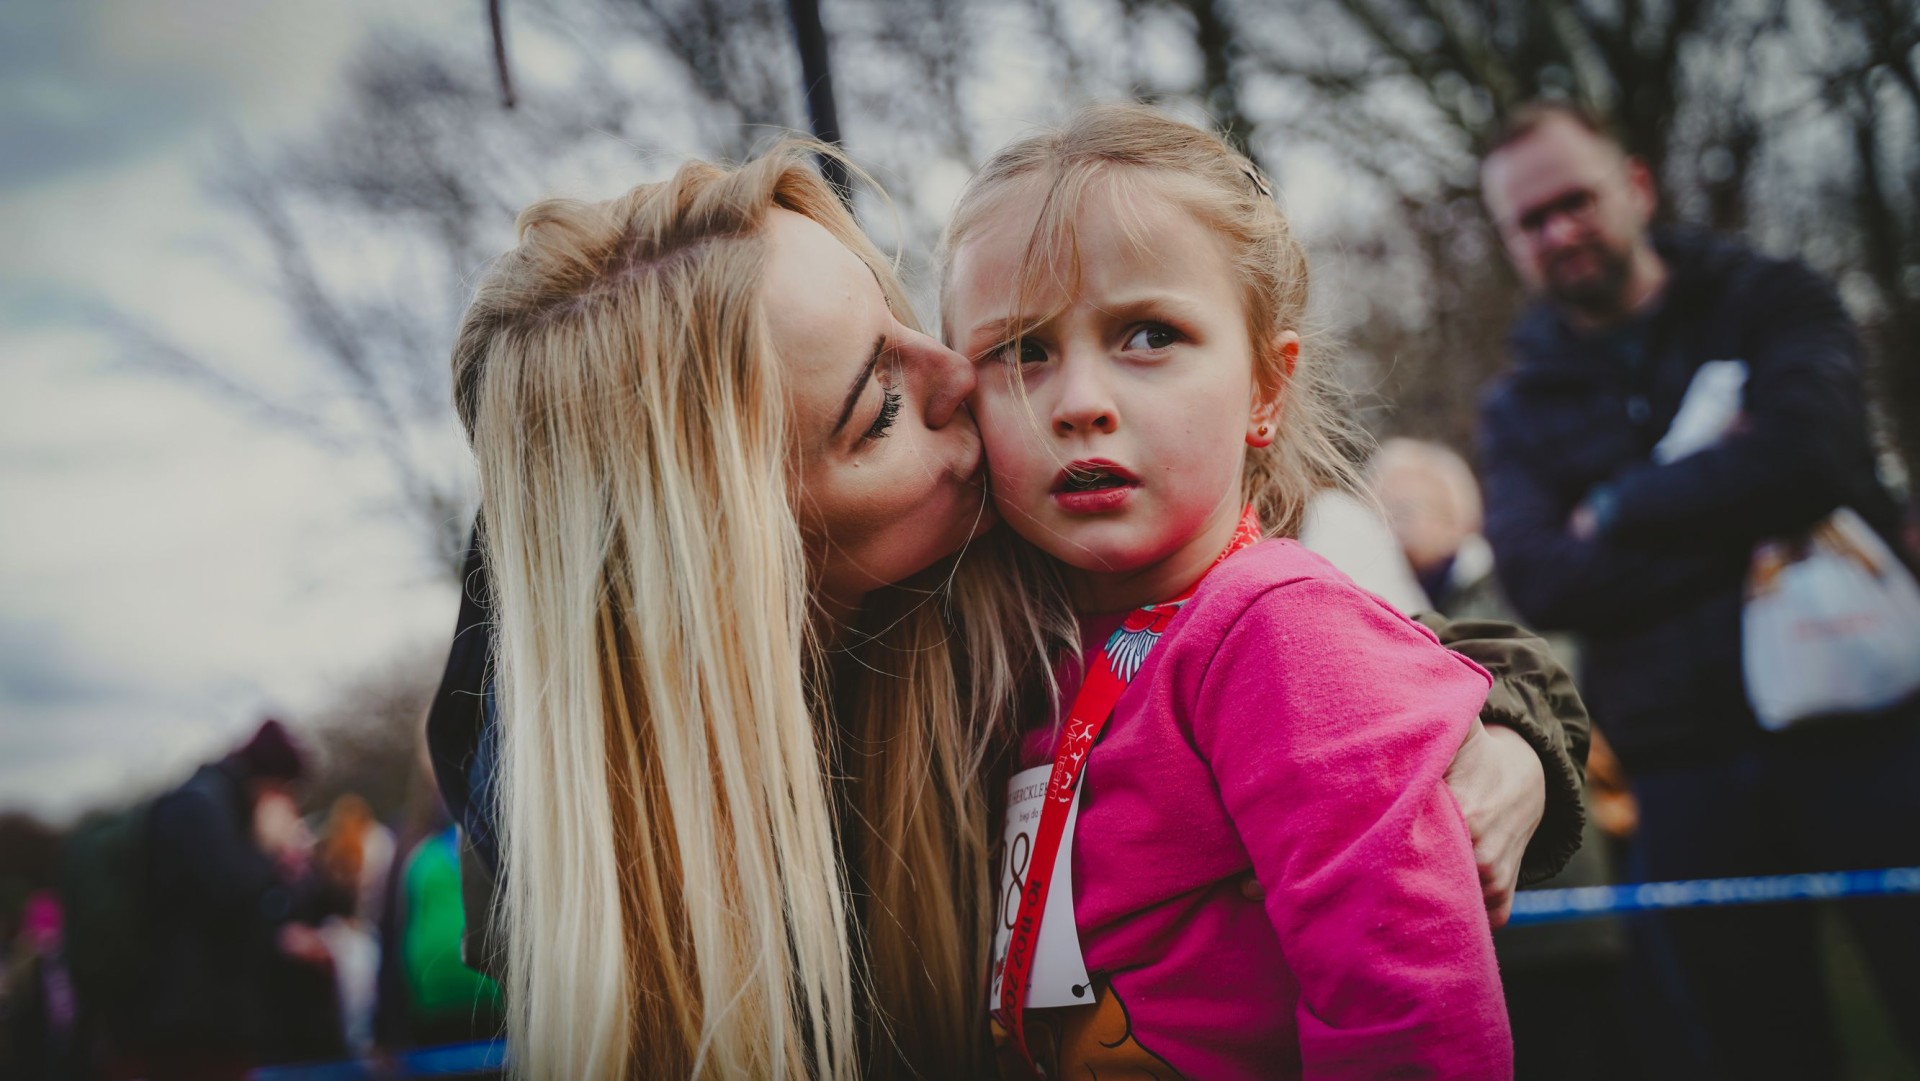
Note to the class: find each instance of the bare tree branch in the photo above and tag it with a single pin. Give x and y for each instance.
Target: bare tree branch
(498, 27)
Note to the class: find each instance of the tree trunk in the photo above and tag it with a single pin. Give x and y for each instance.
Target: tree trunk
(818, 76)
(497, 25)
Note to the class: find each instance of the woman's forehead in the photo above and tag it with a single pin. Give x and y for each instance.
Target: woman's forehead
(825, 314)
(819, 297)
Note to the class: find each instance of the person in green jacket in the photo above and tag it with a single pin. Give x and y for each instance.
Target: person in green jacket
(447, 1000)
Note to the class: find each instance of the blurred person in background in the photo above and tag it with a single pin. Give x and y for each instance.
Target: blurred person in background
(398, 1023)
(39, 1013)
(1648, 563)
(302, 998)
(220, 911)
(1433, 506)
(30, 856)
(353, 859)
(446, 1001)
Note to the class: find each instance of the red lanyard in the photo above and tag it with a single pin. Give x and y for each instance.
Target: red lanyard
(1107, 677)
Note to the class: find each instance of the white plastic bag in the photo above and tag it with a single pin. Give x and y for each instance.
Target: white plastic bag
(1708, 412)
(1831, 625)
(1832, 619)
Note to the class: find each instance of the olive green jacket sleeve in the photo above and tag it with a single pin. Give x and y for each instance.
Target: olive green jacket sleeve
(1532, 694)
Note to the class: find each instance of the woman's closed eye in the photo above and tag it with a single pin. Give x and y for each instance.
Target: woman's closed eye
(889, 412)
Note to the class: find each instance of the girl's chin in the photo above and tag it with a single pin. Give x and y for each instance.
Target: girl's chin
(1100, 557)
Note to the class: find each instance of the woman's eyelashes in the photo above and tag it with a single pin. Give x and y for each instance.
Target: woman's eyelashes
(889, 374)
(889, 412)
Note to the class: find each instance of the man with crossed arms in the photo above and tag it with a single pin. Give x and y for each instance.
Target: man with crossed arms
(1648, 563)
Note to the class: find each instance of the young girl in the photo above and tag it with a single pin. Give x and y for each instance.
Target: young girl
(1133, 296)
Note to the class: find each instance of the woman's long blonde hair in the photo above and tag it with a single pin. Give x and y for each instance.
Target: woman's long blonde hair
(685, 802)
(1137, 150)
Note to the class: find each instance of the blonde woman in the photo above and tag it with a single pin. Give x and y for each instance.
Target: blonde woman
(747, 702)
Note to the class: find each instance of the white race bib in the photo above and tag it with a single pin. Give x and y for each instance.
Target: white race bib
(1059, 970)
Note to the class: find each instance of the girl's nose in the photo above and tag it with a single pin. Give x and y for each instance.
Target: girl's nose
(946, 377)
(1083, 403)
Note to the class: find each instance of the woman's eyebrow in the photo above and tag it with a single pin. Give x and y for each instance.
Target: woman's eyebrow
(860, 384)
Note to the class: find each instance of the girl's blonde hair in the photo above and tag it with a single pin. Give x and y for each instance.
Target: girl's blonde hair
(676, 785)
(1137, 151)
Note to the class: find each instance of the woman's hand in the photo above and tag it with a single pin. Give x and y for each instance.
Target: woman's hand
(1532, 701)
(1502, 790)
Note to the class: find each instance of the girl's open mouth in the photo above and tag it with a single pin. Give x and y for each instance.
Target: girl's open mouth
(1093, 486)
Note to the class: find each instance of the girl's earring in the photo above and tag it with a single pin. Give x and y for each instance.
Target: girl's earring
(1261, 436)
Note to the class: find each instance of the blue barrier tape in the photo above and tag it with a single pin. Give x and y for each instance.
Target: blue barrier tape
(458, 1059)
(454, 1060)
(1586, 902)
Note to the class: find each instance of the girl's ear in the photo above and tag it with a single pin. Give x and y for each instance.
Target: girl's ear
(1264, 419)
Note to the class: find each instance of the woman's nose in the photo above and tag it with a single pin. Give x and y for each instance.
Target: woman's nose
(1083, 402)
(946, 376)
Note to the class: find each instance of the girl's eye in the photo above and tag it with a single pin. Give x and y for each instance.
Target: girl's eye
(889, 412)
(1153, 336)
(1024, 351)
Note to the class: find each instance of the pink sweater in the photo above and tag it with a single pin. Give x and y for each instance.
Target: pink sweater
(1291, 725)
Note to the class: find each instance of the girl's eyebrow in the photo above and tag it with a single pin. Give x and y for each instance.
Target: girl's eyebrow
(1171, 304)
(1008, 327)
(1003, 329)
(859, 384)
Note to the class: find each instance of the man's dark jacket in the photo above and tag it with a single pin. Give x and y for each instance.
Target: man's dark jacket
(1658, 595)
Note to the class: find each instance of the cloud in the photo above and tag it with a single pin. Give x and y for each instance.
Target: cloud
(86, 85)
(59, 762)
(37, 669)
(64, 106)
(37, 303)
(76, 733)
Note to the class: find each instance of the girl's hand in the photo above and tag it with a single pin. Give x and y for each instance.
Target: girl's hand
(1502, 790)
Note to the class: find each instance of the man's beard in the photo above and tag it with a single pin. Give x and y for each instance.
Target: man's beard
(1600, 294)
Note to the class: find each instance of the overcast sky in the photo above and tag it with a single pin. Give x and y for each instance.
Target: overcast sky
(167, 570)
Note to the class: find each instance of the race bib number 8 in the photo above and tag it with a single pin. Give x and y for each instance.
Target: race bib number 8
(1059, 970)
